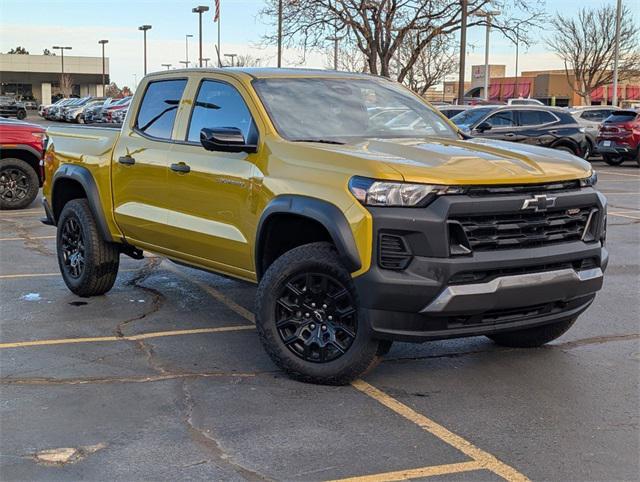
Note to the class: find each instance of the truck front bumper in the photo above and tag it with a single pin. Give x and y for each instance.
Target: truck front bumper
(438, 295)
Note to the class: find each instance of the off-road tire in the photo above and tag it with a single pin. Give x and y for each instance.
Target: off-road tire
(613, 160)
(18, 165)
(101, 259)
(533, 337)
(317, 258)
(21, 114)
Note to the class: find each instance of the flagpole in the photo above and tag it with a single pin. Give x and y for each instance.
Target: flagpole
(219, 54)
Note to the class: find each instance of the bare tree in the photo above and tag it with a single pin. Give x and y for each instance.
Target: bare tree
(349, 60)
(66, 85)
(113, 90)
(586, 45)
(436, 60)
(247, 61)
(378, 28)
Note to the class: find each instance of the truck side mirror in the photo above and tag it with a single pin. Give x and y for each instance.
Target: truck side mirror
(483, 126)
(225, 139)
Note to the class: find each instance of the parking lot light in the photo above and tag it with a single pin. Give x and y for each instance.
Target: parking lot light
(488, 15)
(168, 66)
(144, 29)
(104, 85)
(200, 10)
(186, 49)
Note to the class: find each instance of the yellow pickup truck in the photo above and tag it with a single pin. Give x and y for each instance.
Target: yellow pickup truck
(363, 215)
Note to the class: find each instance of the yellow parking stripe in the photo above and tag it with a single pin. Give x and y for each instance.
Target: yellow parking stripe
(623, 215)
(27, 239)
(484, 459)
(141, 336)
(416, 473)
(38, 275)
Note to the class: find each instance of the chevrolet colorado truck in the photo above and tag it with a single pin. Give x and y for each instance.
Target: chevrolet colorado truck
(357, 230)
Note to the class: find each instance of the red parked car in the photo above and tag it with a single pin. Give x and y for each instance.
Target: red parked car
(110, 112)
(619, 137)
(21, 148)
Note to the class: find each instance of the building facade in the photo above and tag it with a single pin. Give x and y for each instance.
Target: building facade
(39, 76)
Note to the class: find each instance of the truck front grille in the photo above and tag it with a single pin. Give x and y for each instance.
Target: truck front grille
(487, 232)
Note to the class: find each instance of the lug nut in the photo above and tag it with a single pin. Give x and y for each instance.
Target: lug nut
(324, 307)
(313, 305)
(307, 315)
(312, 326)
(330, 317)
(324, 327)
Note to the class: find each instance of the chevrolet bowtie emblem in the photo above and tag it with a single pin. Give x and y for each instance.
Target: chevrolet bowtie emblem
(539, 203)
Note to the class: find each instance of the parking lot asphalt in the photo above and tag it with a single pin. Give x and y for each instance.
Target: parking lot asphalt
(164, 378)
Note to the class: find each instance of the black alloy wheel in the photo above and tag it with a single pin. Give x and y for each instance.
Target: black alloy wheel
(14, 185)
(316, 317)
(73, 247)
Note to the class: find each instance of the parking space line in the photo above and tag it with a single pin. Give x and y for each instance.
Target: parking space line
(39, 275)
(27, 238)
(617, 173)
(484, 459)
(142, 379)
(623, 215)
(409, 474)
(140, 336)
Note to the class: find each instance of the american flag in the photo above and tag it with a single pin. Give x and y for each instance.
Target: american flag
(216, 15)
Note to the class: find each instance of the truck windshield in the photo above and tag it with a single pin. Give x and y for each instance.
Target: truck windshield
(337, 110)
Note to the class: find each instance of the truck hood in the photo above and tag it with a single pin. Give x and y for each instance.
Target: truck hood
(473, 161)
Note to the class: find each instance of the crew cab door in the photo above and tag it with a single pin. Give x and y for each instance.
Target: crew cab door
(212, 215)
(140, 162)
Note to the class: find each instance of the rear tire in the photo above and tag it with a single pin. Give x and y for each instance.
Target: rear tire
(308, 319)
(565, 149)
(21, 114)
(19, 184)
(613, 159)
(533, 337)
(89, 264)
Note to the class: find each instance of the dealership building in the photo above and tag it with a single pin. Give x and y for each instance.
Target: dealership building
(39, 76)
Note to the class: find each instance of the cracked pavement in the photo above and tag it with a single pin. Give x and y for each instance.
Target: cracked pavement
(209, 404)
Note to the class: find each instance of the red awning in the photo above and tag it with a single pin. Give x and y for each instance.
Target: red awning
(494, 91)
(633, 92)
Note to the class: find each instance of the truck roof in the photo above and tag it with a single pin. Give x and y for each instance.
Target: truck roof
(265, 72)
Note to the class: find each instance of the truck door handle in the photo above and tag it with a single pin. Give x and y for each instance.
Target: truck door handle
(509, 134)
(127, 160)
(553, 132)
(180, 167)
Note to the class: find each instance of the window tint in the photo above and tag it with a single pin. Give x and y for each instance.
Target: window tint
(535, 117)
(622, 116)
(159, 107)
(596, 115)
(220, 105)
(503, 118)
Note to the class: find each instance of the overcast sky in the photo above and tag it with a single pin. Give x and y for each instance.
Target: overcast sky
(40, 24)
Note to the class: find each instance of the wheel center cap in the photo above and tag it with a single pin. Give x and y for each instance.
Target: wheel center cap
(318, 315)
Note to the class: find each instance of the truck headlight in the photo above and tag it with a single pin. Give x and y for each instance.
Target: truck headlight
(589, 181)
(371, 192)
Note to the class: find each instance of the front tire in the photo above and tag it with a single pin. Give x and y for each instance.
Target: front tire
(89, 264)
(19, 184)
(533, 337)
(613, 159)
(21, 114)
(308, 318)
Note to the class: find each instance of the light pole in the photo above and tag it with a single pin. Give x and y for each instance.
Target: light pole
(279, 33)
(616, 54)
(233, 58)
(168, 66)
(186, 48)
(488, 15)
(517, 92)
(185, 63)
(61, 49)
(104, 85)
(463, 51)
(200, 10)
(206, 61)
(144, 29)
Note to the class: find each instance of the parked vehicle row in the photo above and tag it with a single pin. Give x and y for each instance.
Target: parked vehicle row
(10, 107)
(87, 110)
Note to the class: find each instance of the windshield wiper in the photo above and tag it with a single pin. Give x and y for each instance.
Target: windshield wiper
(320, 141)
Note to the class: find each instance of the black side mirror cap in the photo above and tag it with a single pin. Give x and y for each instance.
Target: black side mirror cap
(225, 139)
(483, 126)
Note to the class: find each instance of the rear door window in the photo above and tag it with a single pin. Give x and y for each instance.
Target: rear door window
(219, 104)
(504, 118)
(158, 108)
(535, 117)
(622, 116)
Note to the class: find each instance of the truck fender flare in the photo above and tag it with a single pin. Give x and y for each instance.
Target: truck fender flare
(82, 176)
(323, 212)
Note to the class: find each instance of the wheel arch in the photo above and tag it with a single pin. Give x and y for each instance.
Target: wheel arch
(25, 153)
(305, 212)
(74, 182)
(569, 143)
